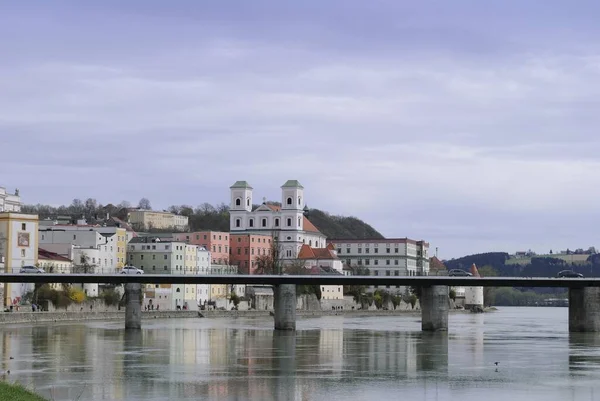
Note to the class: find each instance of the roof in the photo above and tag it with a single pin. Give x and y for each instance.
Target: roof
(308, 226)
(323, 270)
(275, 208)
(376, 241)
(47, 255)
(292, 184)
(241, 184)
(474, 271)
(436, 264)
(151, 240)
(309, 253)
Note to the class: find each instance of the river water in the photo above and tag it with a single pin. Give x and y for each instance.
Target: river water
(328, 358)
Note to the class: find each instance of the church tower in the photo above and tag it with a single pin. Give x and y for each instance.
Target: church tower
(292, 205)
(240, 205)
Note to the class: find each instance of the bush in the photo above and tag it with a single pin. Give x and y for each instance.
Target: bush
(452, 294)
(378, 300)
(235, 299)
(77, 295)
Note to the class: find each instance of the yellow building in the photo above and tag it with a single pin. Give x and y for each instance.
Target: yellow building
(18, 247)
(122, 241)
(148, 219)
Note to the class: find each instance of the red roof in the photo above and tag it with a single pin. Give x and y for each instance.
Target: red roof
(307, 252)
(436, 264)
(274, 208)
(474, 271)
(47, 255)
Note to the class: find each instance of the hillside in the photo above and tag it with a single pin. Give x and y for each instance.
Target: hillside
(204, 217)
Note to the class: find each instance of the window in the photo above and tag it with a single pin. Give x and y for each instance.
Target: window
(299, 223)
(387, 250)
(396, 262)
(165, 268)
(289, 238)
(367, 262)
(289, 201)
(239, 239)
(367, 250)
(359, 262)
(376, 261)
(376, 272)
(165, 257)
(74, 237)
(264, 222)
(376, 250)
(388, 273)
(23, 226)
(299, 200)
(142, 257)
(22, 253)
(239, 251)
(238, 222)
(289, 222)
(396, 273)
(395, 250)
(359, 250)
(248, 202)
(153, 257)
(197, 236)
(339, 250)
(238, 202)
(277, 222)
(251, 223)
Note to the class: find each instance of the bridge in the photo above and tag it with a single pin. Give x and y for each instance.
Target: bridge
(584, 293)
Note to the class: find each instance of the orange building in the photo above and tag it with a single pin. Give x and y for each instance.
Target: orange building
(246, 248)
(217, 242)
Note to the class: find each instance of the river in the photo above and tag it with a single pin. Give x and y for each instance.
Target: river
(328, 358)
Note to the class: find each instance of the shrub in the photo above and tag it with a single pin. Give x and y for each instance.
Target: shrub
(77, 295)
(452, 294)
(110, 297)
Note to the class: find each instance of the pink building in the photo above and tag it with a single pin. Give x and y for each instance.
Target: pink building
(216, 242)
(246, 248)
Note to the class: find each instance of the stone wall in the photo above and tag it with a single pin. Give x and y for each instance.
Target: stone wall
(34, 317)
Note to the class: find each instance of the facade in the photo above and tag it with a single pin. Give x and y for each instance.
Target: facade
(247, 248)
(217, 242)
(385, 257)
(9, 202)
(287, 223)
(148, 219)
(323, 261)
(18, 248)
(54, 263)
(104, 247)
(223, 291)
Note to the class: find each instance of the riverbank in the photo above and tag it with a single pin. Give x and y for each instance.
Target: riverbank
(45, 317)
(16, 392)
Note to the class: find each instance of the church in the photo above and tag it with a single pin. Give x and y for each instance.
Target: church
(287, 223)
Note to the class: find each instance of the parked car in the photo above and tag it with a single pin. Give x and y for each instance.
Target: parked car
(569, 274)
(31, 269)
(131, 270)
(459, 273)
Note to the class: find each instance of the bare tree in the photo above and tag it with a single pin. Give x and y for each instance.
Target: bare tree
(144, 203)
(271, 262)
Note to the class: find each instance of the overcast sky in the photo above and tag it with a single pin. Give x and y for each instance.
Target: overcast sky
(471, 124)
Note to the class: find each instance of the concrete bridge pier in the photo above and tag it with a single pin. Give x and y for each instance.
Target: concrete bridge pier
(133, 306)
(434, 308)
(284, 305)
(584, 309)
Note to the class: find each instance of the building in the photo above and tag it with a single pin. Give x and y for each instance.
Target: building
(9, 202)
(323, 261)
(103, 248)
(217, 242)
(474, 294)
(197, 261)
(246, 249)
(223, 291)
(385, 257)
(18, 248)
(287, 223)
(54, 263)
(142, 219)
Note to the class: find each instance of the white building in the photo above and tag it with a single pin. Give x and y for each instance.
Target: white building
(287, 223)
(9, 202)
(103, 249)
(385, 257)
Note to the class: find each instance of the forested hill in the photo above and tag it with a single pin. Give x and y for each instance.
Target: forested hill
(203, 217)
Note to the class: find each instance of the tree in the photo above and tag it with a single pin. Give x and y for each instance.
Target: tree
(84, 266)
(357, 291)
(144, 203)
(270, 263)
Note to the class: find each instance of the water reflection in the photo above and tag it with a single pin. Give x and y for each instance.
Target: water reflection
(337, 358)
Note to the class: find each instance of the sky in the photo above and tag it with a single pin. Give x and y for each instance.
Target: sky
(472, 125)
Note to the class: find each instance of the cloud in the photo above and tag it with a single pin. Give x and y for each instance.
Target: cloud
(439, 128)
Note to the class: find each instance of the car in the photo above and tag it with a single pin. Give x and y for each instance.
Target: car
(459, 273)
(131, 270)
(31, 269)
(569, 274)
